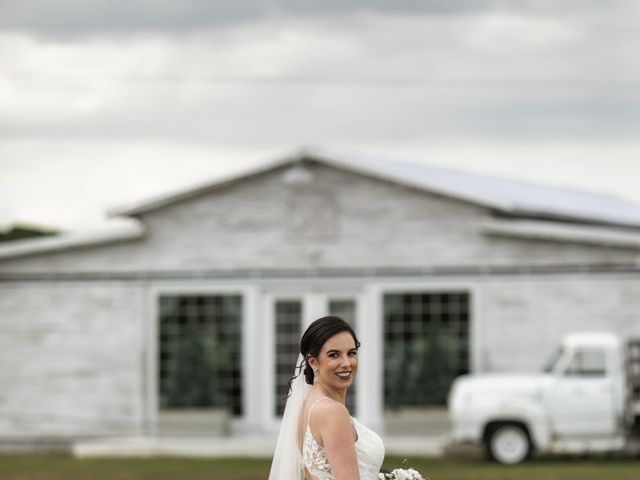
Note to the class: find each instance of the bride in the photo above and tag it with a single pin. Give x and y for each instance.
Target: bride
(319, 440)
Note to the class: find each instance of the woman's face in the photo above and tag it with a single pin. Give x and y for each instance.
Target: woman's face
(337, 362)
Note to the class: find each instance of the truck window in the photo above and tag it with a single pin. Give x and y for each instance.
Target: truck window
(587, 363)
(550, 364)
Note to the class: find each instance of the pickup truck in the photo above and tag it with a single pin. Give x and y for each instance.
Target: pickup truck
(586, 400)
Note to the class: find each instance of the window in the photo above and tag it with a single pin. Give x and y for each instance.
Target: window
(553, 361)
(200, 351)
(426, 345)
(587, 363)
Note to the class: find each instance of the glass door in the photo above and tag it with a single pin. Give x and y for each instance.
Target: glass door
(288, 322)
(291, 316)
(345, 308)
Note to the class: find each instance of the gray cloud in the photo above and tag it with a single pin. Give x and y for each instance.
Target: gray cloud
(79, 17)
(492, 77)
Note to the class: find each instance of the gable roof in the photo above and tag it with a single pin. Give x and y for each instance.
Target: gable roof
(584, 217)
(508, 196)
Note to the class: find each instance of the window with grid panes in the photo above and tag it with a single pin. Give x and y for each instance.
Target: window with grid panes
(426, 345)
(288, 329)
(346, 309)
(200, 351)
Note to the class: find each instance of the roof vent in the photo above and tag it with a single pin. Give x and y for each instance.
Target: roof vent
(299, 174)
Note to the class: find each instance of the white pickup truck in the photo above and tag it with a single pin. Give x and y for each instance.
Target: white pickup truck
(586, 400)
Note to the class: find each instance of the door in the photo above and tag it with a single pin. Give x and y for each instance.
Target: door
(581, 398)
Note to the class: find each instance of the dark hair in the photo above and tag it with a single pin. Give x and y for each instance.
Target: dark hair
(315, 337)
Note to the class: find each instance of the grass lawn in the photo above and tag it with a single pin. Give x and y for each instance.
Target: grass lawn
(62, 467)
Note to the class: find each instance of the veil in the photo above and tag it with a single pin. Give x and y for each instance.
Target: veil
(287, 459)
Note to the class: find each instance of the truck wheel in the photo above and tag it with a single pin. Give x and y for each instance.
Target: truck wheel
(509, 444)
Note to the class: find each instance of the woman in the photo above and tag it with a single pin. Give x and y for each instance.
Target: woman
(318, 438)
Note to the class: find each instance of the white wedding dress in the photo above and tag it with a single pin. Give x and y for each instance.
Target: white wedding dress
(290, 459)
(369, 449)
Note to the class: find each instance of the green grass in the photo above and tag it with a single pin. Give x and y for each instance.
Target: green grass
(538, 469)
(63, 467)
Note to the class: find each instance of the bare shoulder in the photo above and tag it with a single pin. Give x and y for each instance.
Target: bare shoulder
(332, 427)
(330, 411)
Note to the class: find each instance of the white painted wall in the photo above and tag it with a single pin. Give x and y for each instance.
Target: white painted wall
(522, 319)
(72, 358)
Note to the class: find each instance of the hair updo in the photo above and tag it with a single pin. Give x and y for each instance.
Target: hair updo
(316, 336)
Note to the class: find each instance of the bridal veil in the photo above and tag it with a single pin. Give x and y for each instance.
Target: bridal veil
(287, 458)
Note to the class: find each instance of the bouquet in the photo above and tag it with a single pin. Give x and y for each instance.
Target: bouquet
(401, 474)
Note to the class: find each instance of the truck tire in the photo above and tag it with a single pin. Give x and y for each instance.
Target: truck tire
(509, 444)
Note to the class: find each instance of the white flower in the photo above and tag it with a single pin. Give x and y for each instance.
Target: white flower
(415, 475)
(401, 474)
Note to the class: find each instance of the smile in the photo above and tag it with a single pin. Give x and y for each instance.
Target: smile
(344, 374)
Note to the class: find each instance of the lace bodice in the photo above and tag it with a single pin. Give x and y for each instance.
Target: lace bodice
(369, 449)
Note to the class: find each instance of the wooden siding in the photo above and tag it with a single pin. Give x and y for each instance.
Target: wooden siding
(72, 359)
(522, 318)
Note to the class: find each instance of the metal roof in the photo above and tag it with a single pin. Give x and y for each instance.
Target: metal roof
(516, 197)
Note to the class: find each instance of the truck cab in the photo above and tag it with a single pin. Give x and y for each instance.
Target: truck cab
(578, 404)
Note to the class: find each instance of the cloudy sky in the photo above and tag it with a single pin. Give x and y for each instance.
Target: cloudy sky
(105, 102)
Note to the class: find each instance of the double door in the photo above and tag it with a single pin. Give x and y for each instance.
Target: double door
(289, 316)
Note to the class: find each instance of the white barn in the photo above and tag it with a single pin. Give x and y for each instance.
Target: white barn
(200, 304)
